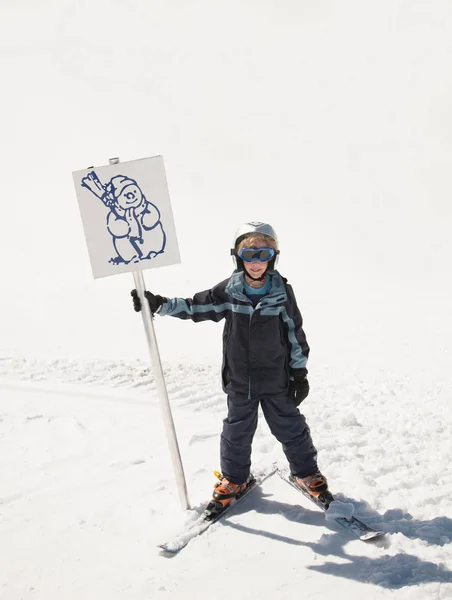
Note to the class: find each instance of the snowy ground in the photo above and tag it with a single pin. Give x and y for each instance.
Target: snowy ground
(88, 490)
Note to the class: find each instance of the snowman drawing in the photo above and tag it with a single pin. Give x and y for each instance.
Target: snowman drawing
(133, 222)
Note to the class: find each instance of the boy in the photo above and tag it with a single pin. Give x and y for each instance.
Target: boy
(264, 360)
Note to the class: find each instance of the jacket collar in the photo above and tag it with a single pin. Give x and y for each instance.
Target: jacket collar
(276, 295)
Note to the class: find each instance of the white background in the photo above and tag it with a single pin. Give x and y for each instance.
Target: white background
(331, 120)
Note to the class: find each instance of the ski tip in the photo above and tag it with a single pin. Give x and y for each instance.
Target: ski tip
(167, 549)
(372, 535)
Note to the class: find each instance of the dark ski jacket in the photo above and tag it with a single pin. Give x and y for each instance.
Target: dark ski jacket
(263, 347)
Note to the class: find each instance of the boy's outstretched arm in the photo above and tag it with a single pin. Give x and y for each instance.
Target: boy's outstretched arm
(209, 305)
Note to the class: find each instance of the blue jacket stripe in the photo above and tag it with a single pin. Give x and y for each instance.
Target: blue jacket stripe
(297, 359)
(175, 306)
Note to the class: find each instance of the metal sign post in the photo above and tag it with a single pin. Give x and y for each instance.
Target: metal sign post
(160, 384)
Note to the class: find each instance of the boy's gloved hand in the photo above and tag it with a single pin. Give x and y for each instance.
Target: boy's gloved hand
(298, 389)
(155, 302)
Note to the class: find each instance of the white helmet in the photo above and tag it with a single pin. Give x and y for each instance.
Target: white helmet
(247, 229)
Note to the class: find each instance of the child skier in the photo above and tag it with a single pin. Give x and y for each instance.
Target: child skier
(264, 361)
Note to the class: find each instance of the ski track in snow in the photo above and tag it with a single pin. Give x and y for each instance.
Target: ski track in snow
(85, 471)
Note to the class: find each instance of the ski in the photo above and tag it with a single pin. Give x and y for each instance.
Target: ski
(205, 521)
(362, 531)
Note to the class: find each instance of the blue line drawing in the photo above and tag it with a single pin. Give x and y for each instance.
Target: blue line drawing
(133, 222)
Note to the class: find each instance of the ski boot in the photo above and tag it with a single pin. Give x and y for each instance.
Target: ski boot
(224, 493)
(315, 487)
(314, 484)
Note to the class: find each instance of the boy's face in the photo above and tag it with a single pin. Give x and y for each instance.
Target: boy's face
(256, 268)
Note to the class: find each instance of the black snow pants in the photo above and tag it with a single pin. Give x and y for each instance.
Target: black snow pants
(286, 423)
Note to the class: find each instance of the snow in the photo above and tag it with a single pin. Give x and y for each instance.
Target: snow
(330, 120)
(339, 509)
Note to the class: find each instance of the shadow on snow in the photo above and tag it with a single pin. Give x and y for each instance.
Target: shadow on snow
(389, 571)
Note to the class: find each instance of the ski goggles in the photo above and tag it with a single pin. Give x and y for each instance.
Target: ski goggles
(260, 254)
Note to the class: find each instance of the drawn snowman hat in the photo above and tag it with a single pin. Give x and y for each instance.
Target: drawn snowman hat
(119, 183)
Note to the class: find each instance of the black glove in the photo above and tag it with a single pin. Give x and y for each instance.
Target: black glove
(298, 389)
(155, 302)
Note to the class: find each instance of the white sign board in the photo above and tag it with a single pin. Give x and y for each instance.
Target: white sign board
(127, 216)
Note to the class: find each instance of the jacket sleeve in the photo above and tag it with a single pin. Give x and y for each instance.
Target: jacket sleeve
(209, 305)
(299, 349)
